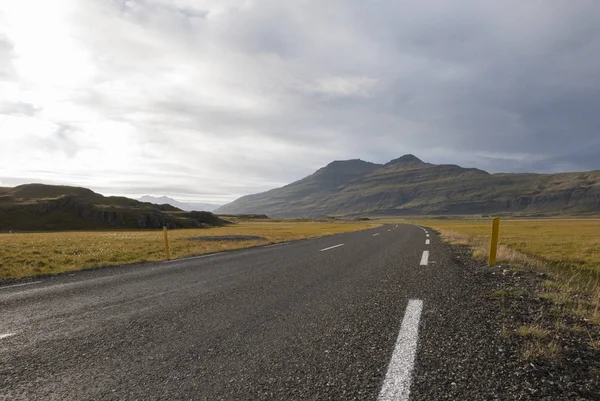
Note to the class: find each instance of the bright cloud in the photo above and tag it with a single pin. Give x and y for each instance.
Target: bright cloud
(210, 100)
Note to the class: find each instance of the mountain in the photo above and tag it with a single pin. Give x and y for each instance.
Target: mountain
(49, 207)
(165, 200)
(302, 198)
(409, 186)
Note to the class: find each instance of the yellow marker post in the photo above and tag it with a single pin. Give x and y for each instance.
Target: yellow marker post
(494, 242)
(166, 238)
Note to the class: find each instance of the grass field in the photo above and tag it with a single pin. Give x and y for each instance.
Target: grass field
(568, 251)
(32, 254)
(571, 245)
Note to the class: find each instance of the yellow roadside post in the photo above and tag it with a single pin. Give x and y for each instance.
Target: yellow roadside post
(166, 238)
(494, 242)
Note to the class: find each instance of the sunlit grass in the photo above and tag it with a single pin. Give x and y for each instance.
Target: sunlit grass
(31, 254)
(568, 251)
(570, 244)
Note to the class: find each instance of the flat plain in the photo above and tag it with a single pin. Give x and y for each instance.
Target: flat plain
(40, 253)
(571, 244)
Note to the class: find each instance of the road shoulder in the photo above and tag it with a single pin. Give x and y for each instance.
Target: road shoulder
(494, 337)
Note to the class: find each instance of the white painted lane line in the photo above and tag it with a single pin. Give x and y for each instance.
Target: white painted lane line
(2, 336)
(396, 385)
(376, 234)
(427, 235)
(425, 258)
(272, 245)
(194, 257)
(19, 285)
(331, 247)
(427, 242)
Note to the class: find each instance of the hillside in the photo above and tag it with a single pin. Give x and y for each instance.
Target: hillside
(48, 207)
(409, 186)
(189, 207)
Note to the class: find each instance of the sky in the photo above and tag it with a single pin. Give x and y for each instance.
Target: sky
(209, 100)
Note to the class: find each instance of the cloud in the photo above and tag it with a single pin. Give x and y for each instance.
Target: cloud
(210, 100)
(18, 109)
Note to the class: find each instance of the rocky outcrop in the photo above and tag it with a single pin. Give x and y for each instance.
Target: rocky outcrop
(40, 207)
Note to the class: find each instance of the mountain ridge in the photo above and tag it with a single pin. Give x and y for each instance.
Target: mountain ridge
(189, 207)
(407, 186)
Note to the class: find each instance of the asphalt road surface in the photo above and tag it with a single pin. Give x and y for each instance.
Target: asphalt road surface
(339, 317)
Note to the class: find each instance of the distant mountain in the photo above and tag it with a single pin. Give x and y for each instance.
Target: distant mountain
(49, 207)
(165, 200)
(304, 197)
(409, 186)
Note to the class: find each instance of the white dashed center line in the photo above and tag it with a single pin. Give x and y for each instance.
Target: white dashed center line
(194, 257)
(272, 245)
(2, 336)
(427, 242)
(396, 385)
(376, 234)
(425, 258)
(331, 247)
(19, 285)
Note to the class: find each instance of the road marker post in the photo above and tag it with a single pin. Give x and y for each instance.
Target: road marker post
(494, 242)
(166, 238)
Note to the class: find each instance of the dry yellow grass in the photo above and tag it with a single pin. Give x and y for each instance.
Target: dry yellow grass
(572, 247)
(538, 349)
(32, 254)
(567, 250)
(568, 243)
(532, 331)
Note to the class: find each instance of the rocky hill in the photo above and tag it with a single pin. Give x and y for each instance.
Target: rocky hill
(48, 207)
(409, 186)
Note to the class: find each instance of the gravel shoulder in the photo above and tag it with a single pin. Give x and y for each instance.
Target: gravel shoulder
(496, 338)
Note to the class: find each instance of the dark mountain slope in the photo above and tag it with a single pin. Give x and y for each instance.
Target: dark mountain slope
(407, 186)
(49, 207)
(300, 197)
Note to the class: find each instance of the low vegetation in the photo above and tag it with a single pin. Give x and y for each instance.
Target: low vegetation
(534, 350)
(565, 254)
(32, 254)
(568, 250)
(533, 332)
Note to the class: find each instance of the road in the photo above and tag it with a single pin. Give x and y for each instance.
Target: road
(338, 317)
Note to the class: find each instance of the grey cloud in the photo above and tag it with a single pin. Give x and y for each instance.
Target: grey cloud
(62, 140)
(7, 71)
(18, 108)
(265, 92)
